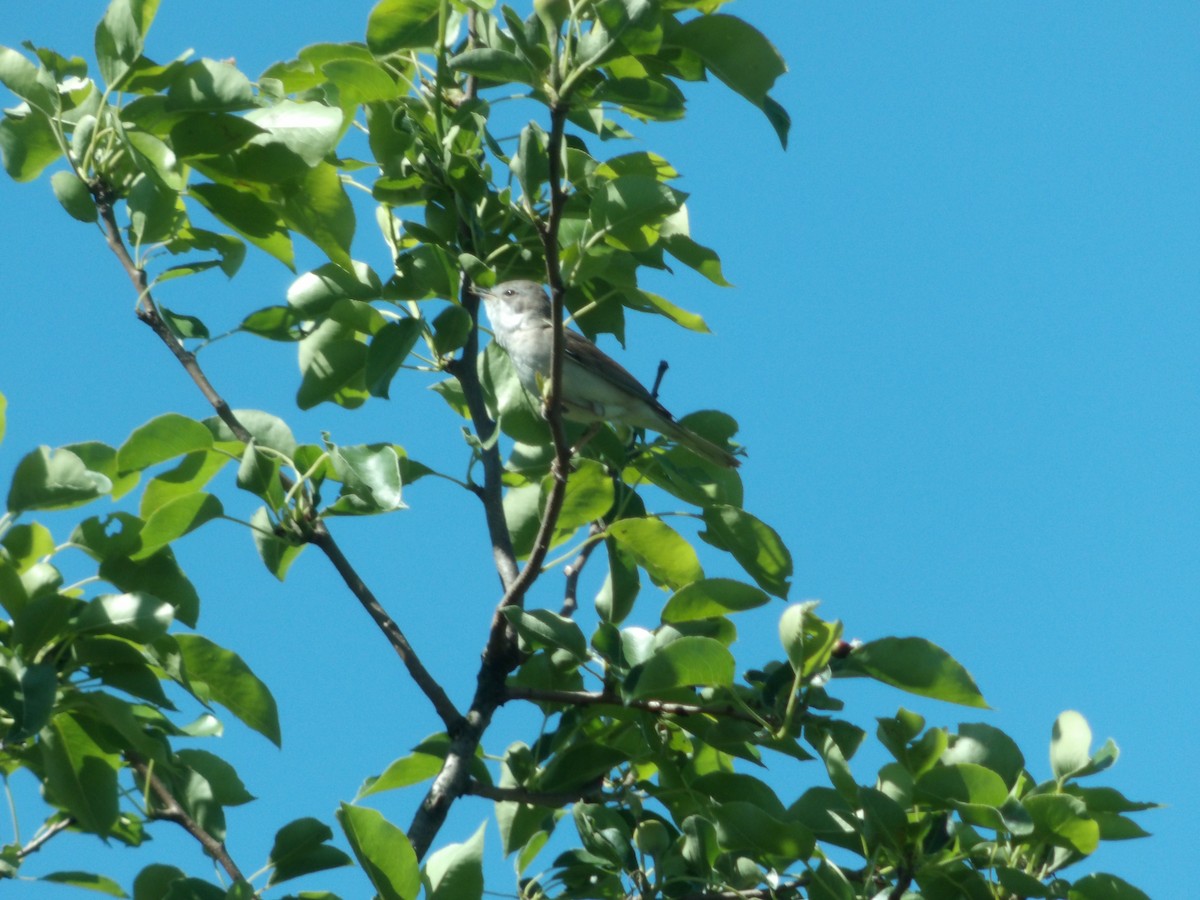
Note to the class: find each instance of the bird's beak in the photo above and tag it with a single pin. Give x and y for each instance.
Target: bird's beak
(480, 292)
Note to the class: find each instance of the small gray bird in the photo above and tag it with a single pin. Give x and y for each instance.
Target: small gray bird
(595, 387)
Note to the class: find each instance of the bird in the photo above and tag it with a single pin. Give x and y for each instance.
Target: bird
(596, 388)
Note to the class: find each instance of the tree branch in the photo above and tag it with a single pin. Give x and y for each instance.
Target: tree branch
(575, 569)
(147, 311)
(437, 696)
(500, 654)
(39, 840)
(171, 811)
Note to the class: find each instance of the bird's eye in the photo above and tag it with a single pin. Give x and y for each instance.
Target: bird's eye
(508, 292)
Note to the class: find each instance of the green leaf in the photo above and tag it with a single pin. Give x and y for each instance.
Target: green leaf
(102, 459)
(185, 327)
(28, 543)
(155, 880)
(310, 130)
(207, 85)
(604, 833)
(318, 208)
(543, 628)
(153, 210)
(755, 545)
(402, 25)
(249, 216)
(162, 438)
(987, 746)
(159, 575)
(27, 694)
(738, 54)
(914, 665)
(136, 616)
(193, 472)
(1070, 744)
(120, 36)
(258, 473)
(627, 210)
(1101, 886)
(370, 476)
(588, 498)
(828, 883)
(710, 598)
(359, 81)
(221, 782)
(807, 639)
(1063, 820)
(743, 826)
(686, 662)
(176, 518)
(621, 585)
(531, 165)
(301, 847)
(3, 416)
(659, 549)
(404, 772)
(332, 361)
(964, 783)
(80, 775)
(455, 872)
(218, 674)
(54, 479)
(388, 350)
(1019, 883)
(451, 328)
(646, 98)
(87, 880)
(277, 553)
(653, 303)
(315, 293)
(230, 250)
(383, 851)
(28, 81)
(27, 143)
(267, 430)
(73, 194)
(494, 64)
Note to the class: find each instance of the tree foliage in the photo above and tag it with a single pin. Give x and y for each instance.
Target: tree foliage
(672, 768)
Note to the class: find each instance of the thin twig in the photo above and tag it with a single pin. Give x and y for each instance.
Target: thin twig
(171, 811)
(147, 311)
(575, 569)
(429, 685)
(42, 837)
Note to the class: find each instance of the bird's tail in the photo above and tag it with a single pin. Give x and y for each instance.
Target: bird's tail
(702, 447)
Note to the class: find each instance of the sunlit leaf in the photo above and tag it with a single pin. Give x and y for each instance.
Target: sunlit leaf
(383, 851)
(54, 479)
(914, 665)
(686, 662)
(659, 549)
(222, 676)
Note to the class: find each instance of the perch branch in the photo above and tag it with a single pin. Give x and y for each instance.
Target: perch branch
(171, 811)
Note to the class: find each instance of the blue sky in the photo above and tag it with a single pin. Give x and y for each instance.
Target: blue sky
(962, 348)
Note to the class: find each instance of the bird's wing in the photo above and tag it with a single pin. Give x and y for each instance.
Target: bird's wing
(596, 361)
